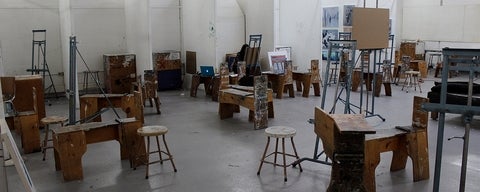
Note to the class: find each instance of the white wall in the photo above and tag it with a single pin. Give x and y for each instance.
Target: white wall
(427, 20)
(165, 25)
(300, 24)
(18, 18)
(198, 20)
(215, 27)
(230, 29)
(100, 29)
(259, 19)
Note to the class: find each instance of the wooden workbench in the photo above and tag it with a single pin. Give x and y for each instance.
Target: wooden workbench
(70, 143)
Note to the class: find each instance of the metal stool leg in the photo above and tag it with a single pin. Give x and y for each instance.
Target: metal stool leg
(263, 156)
(159, 150)
(276, 152)
(148, 156)
(296, 154)
(169, 154)
(284, 160)
(45, 141)
(406, 82)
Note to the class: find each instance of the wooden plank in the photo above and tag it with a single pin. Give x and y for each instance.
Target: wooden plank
(419, 115)
(69, 149)
(92, 103)
(168, 60)
(11, 148)
(324, 128)
(27, 125)
(353, 123)
(102, 134)
(89, 106)
(133, 145)
(28, 128)
(120, 72)
(237, 92)
(81, 127)
(261, 102)
(23, 97)
(242, 88)
(191, 62)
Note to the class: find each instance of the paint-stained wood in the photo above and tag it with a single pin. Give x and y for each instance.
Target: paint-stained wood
(23, 97)
(26, 124)
(70, 143)
(260, 105)
(92, 103)
(120, 72)
(355, 156)
(260, 120)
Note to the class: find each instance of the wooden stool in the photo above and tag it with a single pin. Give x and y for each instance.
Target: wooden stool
(156, 130)
(279, 132)
(94, 75)
(47, 121)
(411, 79)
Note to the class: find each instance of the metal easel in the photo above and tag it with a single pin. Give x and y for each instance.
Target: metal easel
(467, 60)
(344, 47)
(370, 110)
(39, 51)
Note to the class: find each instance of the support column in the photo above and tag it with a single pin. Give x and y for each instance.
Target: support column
(66, 30)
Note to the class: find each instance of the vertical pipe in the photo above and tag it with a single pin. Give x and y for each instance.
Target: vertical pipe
(466, 137)
(72, 83)
(374, 79)
(33, 51)
(441, 125)
(44, 55)
(180, 19)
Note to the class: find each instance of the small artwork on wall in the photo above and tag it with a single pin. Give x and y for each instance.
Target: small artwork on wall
(347, 15)
(327, 35)
(390, 26)
(330, 17)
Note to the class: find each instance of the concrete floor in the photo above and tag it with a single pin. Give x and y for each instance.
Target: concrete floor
(223, 155)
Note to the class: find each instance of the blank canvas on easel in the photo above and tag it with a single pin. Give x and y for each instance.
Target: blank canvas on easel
(370, 28)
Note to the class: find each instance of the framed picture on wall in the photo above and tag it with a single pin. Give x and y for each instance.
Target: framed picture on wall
(347, 15)
(330, 17)
(327, 35)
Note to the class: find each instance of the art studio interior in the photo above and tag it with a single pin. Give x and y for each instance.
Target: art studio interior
(239, 95)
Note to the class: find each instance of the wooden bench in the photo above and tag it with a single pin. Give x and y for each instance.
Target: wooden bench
(231, 98)
(409, 141)
(26, 124)
(198, 79)
(306, 78)
(131, 104)
(70, 143)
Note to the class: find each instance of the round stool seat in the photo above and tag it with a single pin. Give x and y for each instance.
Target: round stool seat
(53, 119)
(48, 121)
(280, 132)
(412, 72)
(152, 130)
